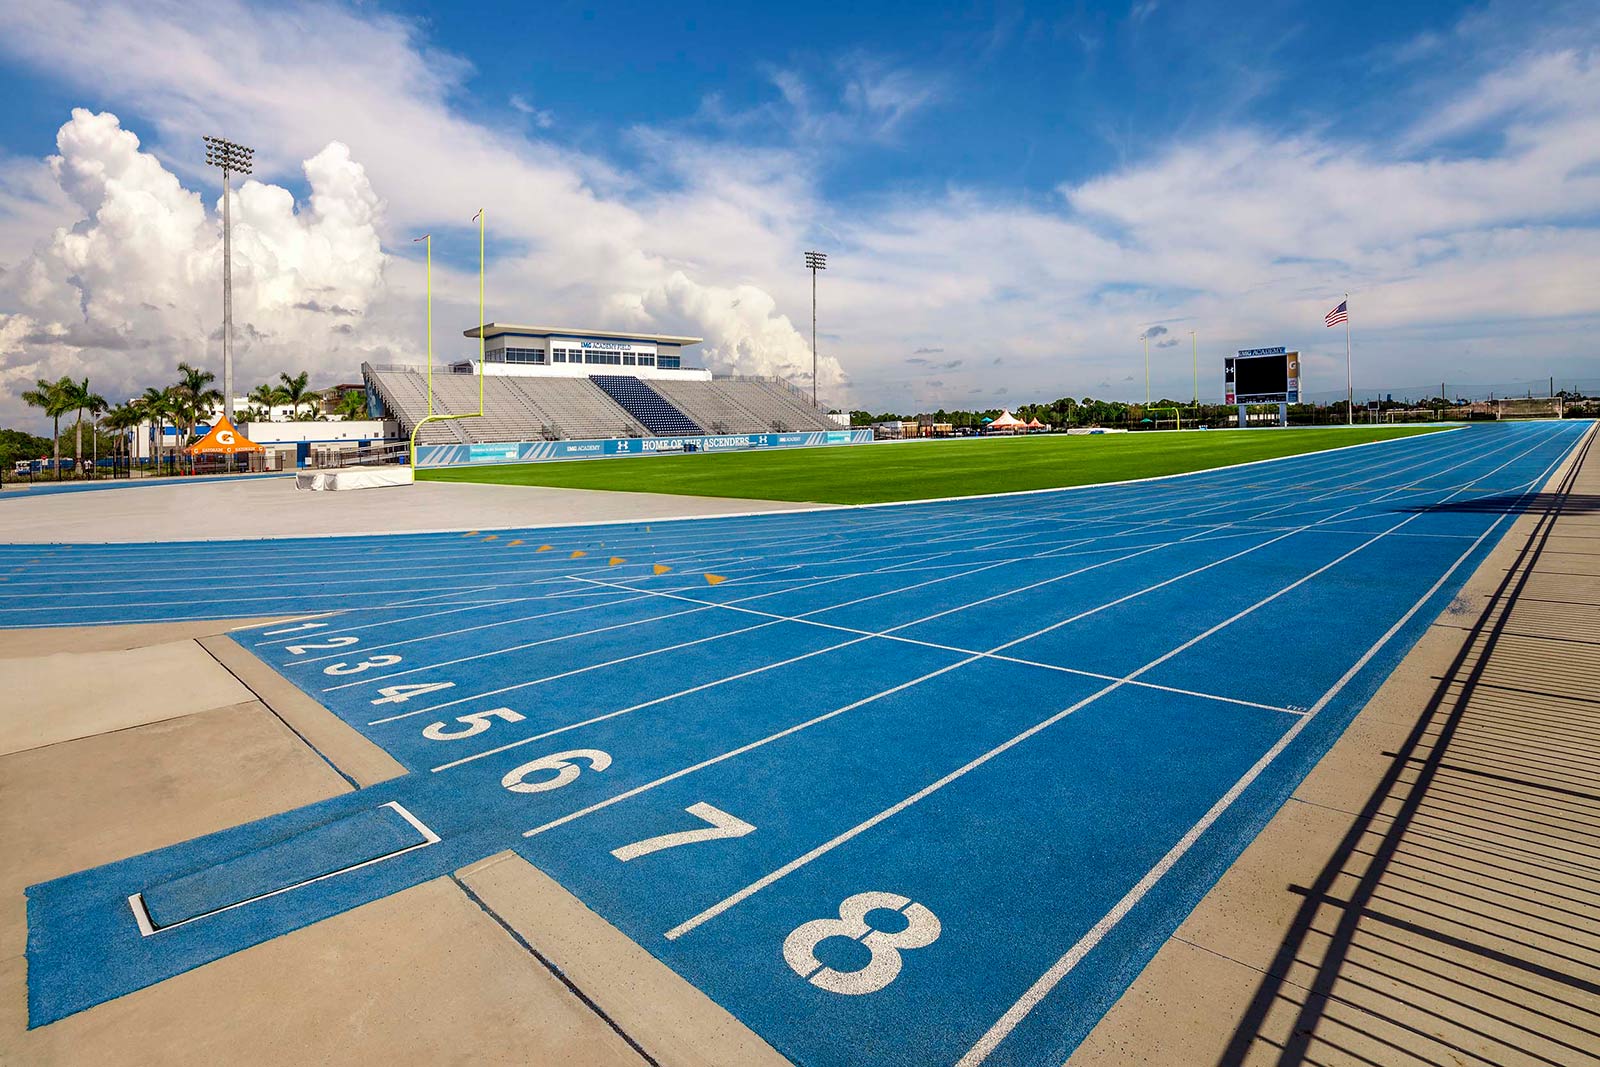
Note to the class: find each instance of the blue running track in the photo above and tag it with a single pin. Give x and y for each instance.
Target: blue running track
(922, 784)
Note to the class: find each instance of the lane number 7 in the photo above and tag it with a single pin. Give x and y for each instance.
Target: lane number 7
(722, 825)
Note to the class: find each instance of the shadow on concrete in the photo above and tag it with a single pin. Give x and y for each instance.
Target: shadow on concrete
(1456, 921)
(1571, 504)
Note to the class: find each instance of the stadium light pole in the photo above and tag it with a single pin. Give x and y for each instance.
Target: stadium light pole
(427, 284)
(1145, 337)
(815, 261)
(233, 159)
(1193, 340)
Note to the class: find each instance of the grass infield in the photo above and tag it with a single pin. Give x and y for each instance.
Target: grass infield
(914, 470)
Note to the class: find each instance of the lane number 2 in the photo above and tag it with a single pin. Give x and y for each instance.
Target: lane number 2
(562, 763)
(799, 948)
(332, 642)
(722, 825)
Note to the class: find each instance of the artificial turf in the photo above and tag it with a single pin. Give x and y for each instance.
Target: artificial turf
(913, 470)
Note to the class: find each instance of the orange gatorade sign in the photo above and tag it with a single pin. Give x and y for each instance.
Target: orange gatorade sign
(223, 440)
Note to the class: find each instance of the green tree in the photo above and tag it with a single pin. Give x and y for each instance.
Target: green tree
(17, 445)
(119, 420)
(296, 391)
(352, 405)
(267, 397)
(55, 400)
(79, 399)
(193, 399)
(156, 405)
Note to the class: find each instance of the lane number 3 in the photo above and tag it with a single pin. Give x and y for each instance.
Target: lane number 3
(799, 948)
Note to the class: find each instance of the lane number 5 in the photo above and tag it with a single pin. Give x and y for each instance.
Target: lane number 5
(799, 948)
(473, 725)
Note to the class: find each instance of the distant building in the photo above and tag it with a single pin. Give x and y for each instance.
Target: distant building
(566, 352)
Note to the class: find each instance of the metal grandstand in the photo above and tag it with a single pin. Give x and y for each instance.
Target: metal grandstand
(550, 409)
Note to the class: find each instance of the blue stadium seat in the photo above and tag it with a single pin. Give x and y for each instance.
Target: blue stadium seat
(645, 404)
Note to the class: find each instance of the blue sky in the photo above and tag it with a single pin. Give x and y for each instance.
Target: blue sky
(1024, 189)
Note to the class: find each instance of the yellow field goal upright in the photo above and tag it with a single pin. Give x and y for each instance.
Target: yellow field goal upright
(427, 240)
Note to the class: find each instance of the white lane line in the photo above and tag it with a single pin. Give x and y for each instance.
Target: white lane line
(741, 750)
(582, 670)
(701, 606)
(1052, 977)
(856, 516)
(617, 798)
(646, 704)
(767, 880)
(365, 548)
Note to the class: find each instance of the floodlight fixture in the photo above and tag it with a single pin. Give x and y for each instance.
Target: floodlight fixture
(815, 261)
(233, 158)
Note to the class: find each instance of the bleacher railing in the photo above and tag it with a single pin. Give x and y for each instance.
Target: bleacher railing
(798, 393)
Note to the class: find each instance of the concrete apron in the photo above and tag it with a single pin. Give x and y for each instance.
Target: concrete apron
(133, 738)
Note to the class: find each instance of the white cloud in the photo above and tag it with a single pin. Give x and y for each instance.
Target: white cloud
(541, 117)
(1244, 235)
(133, 285)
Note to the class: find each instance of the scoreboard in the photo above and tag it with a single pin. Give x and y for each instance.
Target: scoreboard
(1262, 376)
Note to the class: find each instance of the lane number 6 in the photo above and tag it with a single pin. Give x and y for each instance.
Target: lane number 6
(559, 762)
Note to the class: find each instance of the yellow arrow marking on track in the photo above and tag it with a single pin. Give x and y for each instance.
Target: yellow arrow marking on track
(616, 560)
(470, 533)
(518, 541)
(576, 553)
(491, 537)
(544, 548)
(713, 579)
(661, 568)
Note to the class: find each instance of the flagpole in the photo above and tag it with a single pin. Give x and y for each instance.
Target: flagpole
(1349, 377)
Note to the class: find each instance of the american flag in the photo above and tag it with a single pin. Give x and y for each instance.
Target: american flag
(1338, 314)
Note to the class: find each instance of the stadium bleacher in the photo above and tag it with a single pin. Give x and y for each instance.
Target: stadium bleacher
(653, 410)
(534, 408)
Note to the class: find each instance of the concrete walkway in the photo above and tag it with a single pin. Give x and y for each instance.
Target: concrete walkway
(495, 963)
(1431, 894)
(272, 507)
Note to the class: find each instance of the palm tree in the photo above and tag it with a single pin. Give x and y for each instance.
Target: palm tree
(194, 398)
(156, 405)
(120, 420)
(352, 405)
(296, 392)
(77, 398)
(268, 397)
(53, 399)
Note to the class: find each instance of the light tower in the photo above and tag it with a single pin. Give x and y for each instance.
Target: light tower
(1145, 337)
(815, 261)
(233, 159)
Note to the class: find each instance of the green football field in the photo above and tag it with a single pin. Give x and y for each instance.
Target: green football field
(913, 470)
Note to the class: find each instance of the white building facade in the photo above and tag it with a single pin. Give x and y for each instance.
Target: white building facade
(562, 352)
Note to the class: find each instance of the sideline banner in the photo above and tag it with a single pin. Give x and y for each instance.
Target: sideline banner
(541, 451)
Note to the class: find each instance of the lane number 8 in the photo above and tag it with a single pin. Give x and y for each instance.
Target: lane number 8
(799, 948)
